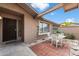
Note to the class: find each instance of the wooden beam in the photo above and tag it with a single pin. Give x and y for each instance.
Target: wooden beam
(50, 10)
(70, 6)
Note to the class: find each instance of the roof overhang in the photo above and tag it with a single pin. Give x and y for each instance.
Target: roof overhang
(67, 7)
(28, 9)
(53, 23)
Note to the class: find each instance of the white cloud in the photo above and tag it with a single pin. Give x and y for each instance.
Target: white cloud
(52, 13)
(41, 6)
(70, 20)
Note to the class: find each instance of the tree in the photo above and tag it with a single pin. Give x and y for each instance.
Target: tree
(66, 23)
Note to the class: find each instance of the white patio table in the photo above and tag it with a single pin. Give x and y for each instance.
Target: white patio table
(58, 39)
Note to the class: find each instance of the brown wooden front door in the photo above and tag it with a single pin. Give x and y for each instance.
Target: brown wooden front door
(9, 29)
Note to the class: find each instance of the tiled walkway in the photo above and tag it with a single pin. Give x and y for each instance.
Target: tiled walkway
(46, 49)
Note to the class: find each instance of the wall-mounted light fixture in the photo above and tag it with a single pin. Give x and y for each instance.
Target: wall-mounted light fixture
(0, 17)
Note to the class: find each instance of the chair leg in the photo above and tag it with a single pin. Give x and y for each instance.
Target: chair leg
(56, 44)
(51, 42)
(61, 44)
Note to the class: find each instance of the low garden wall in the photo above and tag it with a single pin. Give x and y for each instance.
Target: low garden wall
(74, 30)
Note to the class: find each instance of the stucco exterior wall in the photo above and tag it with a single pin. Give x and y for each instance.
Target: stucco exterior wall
(30, 24)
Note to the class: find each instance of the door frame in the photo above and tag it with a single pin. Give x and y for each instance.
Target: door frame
(17, 28)
(5, 12)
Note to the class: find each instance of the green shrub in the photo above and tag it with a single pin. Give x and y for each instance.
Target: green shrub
(57, 31)
(69, 36)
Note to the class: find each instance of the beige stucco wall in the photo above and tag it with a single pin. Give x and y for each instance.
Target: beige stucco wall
(73, 30)
(30, 25)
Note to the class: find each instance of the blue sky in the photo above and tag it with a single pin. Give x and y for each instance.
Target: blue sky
(58, 16)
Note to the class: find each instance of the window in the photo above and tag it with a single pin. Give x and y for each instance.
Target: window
(43, 27)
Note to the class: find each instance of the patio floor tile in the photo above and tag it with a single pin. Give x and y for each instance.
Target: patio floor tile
(46, 49)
